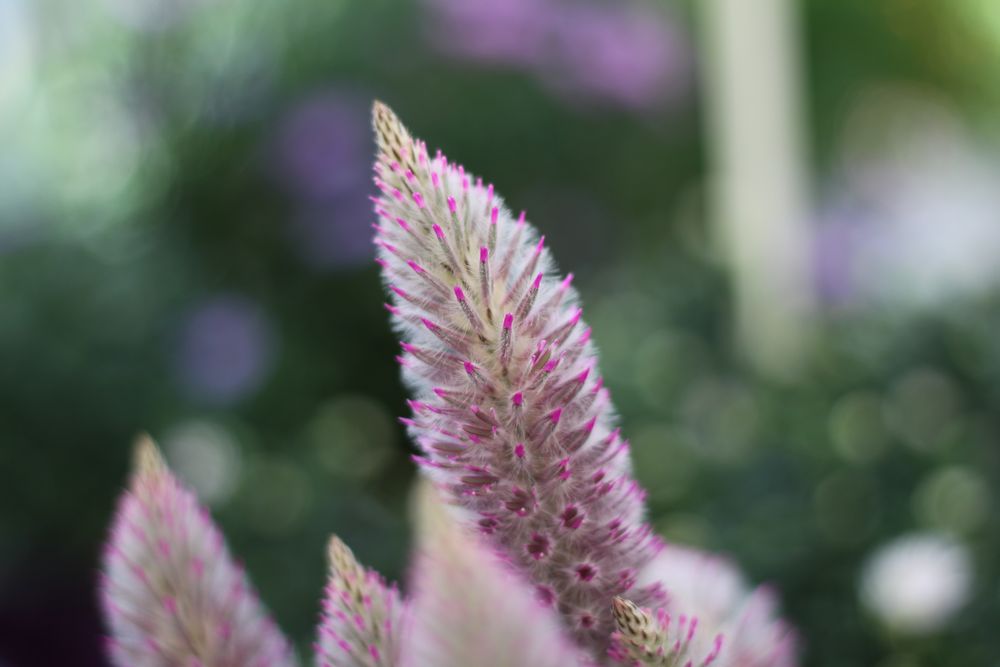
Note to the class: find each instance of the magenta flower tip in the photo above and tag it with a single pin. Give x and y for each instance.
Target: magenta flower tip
(508, 321)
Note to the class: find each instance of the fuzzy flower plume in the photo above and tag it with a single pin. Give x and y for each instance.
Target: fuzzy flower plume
(469, 608)
(716, 620)
(509, 409)
(362, 617)
(171, 593)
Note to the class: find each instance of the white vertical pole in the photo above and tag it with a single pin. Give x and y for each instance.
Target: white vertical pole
(754, 103)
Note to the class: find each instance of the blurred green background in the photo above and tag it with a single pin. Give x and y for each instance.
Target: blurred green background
(184, 249)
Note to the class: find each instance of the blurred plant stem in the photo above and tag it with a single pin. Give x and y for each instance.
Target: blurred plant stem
(760, 176)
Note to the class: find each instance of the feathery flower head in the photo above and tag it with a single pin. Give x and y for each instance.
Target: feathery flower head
(739, 628)
(362, 616)
(171, 594)
(510, 412)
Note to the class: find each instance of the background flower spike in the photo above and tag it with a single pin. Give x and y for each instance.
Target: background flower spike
(711, 589)
(469, 608)
(170, 592)
(362, 616)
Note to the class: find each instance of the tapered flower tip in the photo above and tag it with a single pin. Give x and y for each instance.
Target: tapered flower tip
(171, 594)
(713, 590)
(469, 608)
(146, 457)
(391, 135)
(362, 617)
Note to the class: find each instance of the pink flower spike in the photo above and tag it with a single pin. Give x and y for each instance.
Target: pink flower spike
(438, 232)
(403, 224)
(530, 385)
(567, 281)
(365, 621)
(418, 199)
(519, 450)
(413, 265)
(167, 569)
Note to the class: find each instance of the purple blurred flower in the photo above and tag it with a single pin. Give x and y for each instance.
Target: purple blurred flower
(505, 32)
(629, 55)
(333, 235)
(321, 156)
(835, 247)
(322, 142)
(225, 349)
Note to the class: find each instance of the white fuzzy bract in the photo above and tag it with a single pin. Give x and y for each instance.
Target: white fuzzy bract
(712, 590)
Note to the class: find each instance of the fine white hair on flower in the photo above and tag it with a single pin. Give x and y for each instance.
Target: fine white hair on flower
(470, 608)
(171, 593)
(362, 616)
(711, 589)
(509, 409)
(916, 583)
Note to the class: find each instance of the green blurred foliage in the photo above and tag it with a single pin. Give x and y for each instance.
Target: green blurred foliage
(143, 178)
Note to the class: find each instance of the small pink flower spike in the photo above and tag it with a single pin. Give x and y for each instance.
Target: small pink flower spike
(362, 616)
(167, 573)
